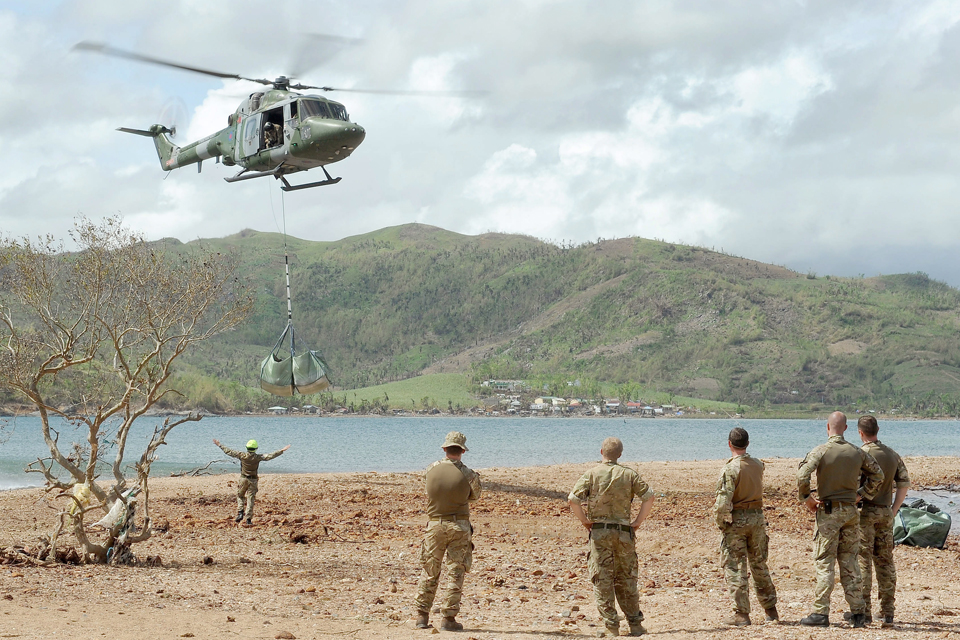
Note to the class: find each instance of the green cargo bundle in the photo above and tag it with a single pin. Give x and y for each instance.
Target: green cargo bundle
(292, 372)
(304, 374)
(921, 528)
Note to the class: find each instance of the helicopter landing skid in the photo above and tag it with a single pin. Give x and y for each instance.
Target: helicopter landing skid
(250, 175)
(296, 187)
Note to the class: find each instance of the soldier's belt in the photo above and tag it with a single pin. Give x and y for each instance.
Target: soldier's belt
(449, 518)
(248, 477)
(836, 503)
(610, 525)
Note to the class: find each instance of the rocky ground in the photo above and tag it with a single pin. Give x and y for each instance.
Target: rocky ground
(335, 555)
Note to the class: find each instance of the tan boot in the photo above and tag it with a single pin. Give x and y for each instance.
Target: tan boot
(610, 631)
(450, 624)
(738, 620)
(423, 620)
(636, 629)
(772, 614)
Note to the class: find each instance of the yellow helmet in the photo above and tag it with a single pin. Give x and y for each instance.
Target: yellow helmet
(252, 445)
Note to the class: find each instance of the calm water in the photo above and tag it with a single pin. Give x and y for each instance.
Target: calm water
(409, 444)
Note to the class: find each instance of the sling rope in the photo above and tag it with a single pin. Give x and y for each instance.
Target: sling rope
(304, 373)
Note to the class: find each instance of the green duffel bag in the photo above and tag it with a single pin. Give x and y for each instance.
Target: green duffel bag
(920, 528)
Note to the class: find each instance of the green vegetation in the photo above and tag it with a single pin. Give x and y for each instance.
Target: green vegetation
(391, 307)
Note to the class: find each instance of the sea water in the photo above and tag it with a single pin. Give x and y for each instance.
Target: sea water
(346, 444)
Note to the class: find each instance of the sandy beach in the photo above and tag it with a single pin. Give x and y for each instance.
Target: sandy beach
(335, 555)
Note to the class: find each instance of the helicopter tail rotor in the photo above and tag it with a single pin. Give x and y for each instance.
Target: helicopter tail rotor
(173, 115)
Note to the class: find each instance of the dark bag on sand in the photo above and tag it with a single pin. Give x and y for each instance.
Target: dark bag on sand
(921, 527)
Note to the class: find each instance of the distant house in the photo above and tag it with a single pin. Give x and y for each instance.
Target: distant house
(503, 385)
(277, 410)
(634, 407)
(612, 405)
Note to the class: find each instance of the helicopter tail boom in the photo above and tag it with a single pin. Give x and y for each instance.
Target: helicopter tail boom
(173, 157)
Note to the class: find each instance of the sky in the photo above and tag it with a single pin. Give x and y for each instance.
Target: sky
(822, 136)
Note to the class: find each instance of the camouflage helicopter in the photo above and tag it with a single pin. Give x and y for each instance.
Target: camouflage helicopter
(274, 132)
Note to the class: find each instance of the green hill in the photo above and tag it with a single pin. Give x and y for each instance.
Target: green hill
(675, 320)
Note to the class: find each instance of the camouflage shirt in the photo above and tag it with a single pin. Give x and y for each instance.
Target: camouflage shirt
(734, 494)
(894, 472)
(451, 487)
(839, 466)
(249, 460)
(608, 491)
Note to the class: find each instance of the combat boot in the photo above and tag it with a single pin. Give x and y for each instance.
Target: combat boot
(636, 629)
(858, 620)
(887, 622)
(772, 614)
(738, 620)
(423, 620)
(610, 631)
(815, 620)
(239, 517)
(450, 624)
(867, 617)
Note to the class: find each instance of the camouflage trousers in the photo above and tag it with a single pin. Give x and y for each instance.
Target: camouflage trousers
(613, 568)
(246, 496)
(455, 539)
(876, 550)
(745, 541)
(838, 543)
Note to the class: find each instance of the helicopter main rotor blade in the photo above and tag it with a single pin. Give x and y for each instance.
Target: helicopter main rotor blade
(97, 47)
(397, 92)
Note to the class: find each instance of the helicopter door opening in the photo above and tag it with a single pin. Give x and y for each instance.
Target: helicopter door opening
(250, 141)
(272, 128)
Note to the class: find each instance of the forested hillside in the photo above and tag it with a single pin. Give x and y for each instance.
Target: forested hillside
(404, 300)
(615, 315)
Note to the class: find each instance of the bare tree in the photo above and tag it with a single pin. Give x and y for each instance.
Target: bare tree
(90, 337)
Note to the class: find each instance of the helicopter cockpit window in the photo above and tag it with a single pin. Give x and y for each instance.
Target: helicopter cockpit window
(320, 109)
(313, 109)
(339, 113)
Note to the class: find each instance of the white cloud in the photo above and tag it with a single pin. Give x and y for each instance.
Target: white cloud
(779, 131)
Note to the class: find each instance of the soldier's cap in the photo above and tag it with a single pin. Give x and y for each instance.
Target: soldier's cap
(455, 439)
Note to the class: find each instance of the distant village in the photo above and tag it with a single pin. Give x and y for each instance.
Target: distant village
(509, 398)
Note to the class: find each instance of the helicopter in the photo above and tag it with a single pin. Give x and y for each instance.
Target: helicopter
(275, 132)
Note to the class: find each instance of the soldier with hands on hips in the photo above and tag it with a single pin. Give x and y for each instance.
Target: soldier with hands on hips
(601, 500)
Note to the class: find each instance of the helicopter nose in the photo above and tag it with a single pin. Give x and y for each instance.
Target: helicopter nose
(353, 136)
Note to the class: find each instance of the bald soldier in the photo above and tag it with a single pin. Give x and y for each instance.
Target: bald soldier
(876, 521)
(739, 514)
(839, 466)
(451, 487)
(608, 490)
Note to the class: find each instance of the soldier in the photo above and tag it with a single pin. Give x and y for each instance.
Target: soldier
(839, 465)
(249, 466)
(608, 491)
(739, 514)
(451, 486)
(876, 521)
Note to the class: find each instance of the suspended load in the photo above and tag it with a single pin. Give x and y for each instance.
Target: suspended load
(284, 374)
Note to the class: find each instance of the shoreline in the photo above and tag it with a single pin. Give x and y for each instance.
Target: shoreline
(336, 554)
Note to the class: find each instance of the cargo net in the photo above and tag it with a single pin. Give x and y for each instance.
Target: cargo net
(285, 373)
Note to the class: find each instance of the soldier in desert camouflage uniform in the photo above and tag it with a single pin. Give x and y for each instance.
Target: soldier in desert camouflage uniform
(249, 476)
(608, 491)
(739, 514)
(839, 466)
(451, 486)
(876, 521)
